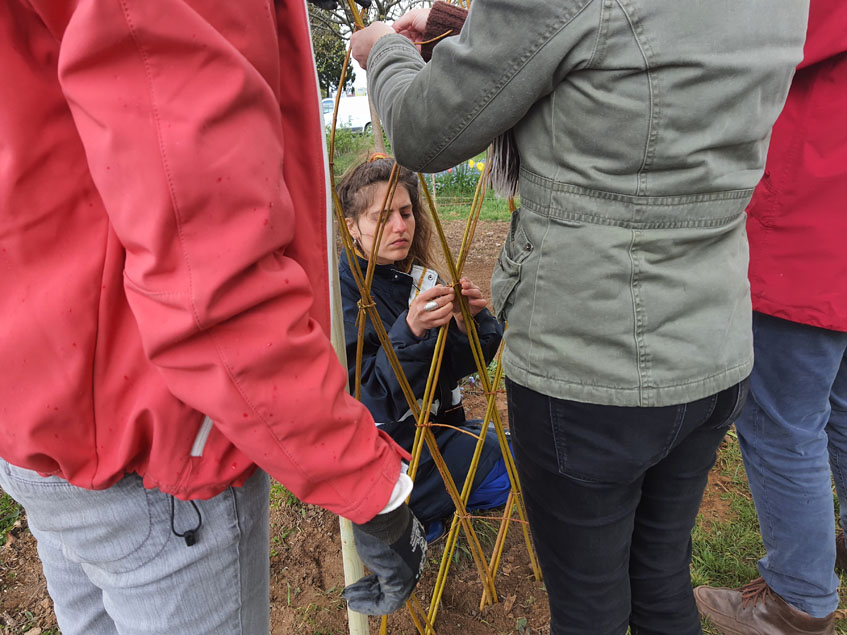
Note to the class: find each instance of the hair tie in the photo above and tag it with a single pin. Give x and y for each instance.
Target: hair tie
(376, 156)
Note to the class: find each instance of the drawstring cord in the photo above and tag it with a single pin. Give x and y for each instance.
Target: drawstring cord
(189, 535)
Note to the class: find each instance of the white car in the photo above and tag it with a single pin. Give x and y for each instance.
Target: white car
(353, 113)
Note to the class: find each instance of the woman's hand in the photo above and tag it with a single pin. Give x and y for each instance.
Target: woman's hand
(361, 42)
(413, 25)
(420, 320)
(476, 303)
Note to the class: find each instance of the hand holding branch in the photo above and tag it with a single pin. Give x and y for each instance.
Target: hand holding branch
(432, 308)
(476, 302)
(362, 41)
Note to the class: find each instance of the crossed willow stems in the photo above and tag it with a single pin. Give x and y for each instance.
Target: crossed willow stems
(487, 569)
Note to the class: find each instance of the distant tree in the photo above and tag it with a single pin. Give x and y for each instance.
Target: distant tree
(330, 50)
(338, 25)
(340, 22)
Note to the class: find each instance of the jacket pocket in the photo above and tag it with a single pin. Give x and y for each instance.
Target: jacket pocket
(507, 270)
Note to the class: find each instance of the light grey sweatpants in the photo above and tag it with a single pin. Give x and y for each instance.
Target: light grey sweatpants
(113, 565)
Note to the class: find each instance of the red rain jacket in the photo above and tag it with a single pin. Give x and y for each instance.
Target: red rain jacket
(163, 253)
(797, 222)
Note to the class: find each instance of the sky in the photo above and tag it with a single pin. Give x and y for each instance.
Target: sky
(361, 81)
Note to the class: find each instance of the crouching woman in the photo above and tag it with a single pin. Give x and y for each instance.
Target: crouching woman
(413, 304)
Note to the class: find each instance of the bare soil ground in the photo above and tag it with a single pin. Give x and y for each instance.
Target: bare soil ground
(306, 569)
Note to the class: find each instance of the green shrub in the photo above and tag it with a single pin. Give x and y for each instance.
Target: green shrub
(10, 511)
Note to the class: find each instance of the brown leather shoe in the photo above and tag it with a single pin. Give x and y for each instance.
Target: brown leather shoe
(755, 609)
(841, 552)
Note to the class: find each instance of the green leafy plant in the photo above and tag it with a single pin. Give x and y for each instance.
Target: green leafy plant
(10, 511)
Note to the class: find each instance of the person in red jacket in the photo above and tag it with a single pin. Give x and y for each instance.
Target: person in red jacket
(164, 302)
(793, 431)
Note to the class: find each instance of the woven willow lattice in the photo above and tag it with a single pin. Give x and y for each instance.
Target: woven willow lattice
(486, 567)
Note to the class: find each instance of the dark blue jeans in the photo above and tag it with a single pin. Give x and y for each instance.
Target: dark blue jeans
(612, 494)
(792, 431)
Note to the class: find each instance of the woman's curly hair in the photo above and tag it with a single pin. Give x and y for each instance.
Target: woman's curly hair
(356, 192)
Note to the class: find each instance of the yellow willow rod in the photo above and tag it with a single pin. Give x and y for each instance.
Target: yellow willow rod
(473, 218)
(444, 568)
(360, 347)
(470, 325)
(435, 367)
(427, 399)
(418, 626)
(418, 611)
(450, 485)
(499, 544)
(492, 415)
(452, 536)
(470, 534)
(388, 347)
(380, 225)
(466, 490)
(423, 415)
(461, 512)
(477, 351)
(367, 302)
(511, 469)
(335, 117)
(445, 247)
(357, 17)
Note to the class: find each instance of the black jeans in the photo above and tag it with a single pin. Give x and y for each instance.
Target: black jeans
(612, 494)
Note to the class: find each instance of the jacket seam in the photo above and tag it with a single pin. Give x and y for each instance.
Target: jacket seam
(652, 123)
(632, 388)
(506, 78)
(145, 62)
(635, 199)
(535, 289)
(601, 31)
(163, 158)
(636, 316)
(559, 214)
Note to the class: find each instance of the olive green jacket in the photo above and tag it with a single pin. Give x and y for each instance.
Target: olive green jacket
(642, 127)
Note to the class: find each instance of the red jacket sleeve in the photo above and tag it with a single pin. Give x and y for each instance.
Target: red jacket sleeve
(177, 105)
(826, 35)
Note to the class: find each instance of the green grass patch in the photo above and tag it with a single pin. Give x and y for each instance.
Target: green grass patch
(281, 497)
(10, 511)
(493, 208)
(725, 552)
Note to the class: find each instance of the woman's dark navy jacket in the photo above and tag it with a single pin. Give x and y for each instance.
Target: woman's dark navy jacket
(381, 391)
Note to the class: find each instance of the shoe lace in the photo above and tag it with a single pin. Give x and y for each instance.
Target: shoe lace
(755, 591)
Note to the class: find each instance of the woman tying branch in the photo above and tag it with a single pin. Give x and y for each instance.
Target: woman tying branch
(413, 305)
